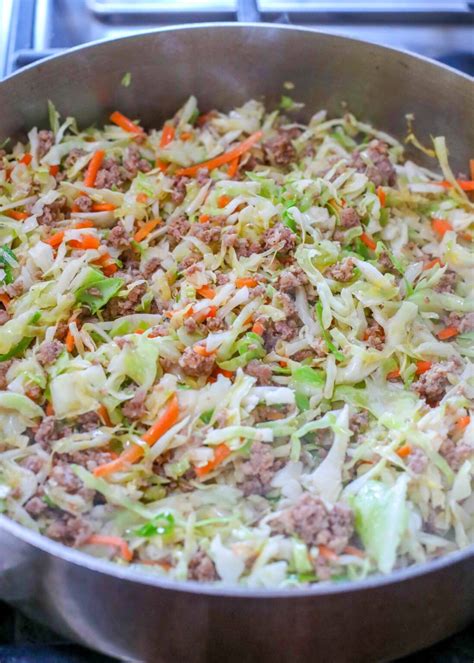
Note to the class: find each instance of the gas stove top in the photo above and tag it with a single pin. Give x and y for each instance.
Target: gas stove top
(33, 29)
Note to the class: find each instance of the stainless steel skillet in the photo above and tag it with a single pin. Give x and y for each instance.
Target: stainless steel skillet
(136, 616)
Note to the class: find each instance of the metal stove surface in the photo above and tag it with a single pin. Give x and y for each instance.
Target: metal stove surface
(440, 29)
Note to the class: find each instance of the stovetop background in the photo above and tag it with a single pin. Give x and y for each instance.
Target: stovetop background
(32, 29)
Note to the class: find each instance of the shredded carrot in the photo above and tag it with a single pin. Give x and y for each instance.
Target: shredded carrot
(84, 224)
(258, 328)
(203, 351)
(467, 237)
(432, 263)
(205, 117)
(49, 410)
(142, 198)
(220, 160)
(186, 135)
(204, 218)
(466, 185)
(85, 243)
(109, 269)
(18, 216)
(441, 226)
(56, 239)
(104, 415)
(114, 541)
(103, 207)
(226, 374)
(146, 229)
(206, 291)
(54, 170)
(381, 196)
(393, 375)
(283, 364)
(124, 123)
(404, 451)
(4, 299)
(211, 312)
(93, 168)
(352, 550)
(167, 135)
(423, 366)
(26, 159)
(471, 168)
(447, 332)
(249, 282)
(327, 554)
(368, 241)
(222, 201)
(463, 423)
(220, 454)
(161, 165)
(69, 341)
(233, 167)
(165, 421)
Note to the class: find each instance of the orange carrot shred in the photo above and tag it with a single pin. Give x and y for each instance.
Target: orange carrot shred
(85, 243)
(447, 332)
(203, 351)
(465, 185)
(104, 415)
(56, 239)
(5, 299)
(393, 375)
(167, 135)
(423, 366)
(258, 328)
(327, 554)
(222, 201)
(463, 423)
(206, 291)
(161, 165)
(204, 218)
(368, 241)
(186, 135)
(26, 159)
(69, 341)
(142, 198)
(146, 229)
(471, 168)
(233, 167)
(109, 269)
(93, 168)
(432, 263)
(381, 196)
(441, 226)
(220, 454)
(54, 170)
(113, 541)
(18, 216)
(249, 282)
(167, 419)
(49, 410)
(86, 223)
(124, 123)
(220, 160)
(103, 207)
(404, 451)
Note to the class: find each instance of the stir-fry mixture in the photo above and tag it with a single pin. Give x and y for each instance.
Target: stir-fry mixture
(237, 348)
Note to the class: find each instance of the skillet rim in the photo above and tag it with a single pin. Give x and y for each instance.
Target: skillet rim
(91, 563)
